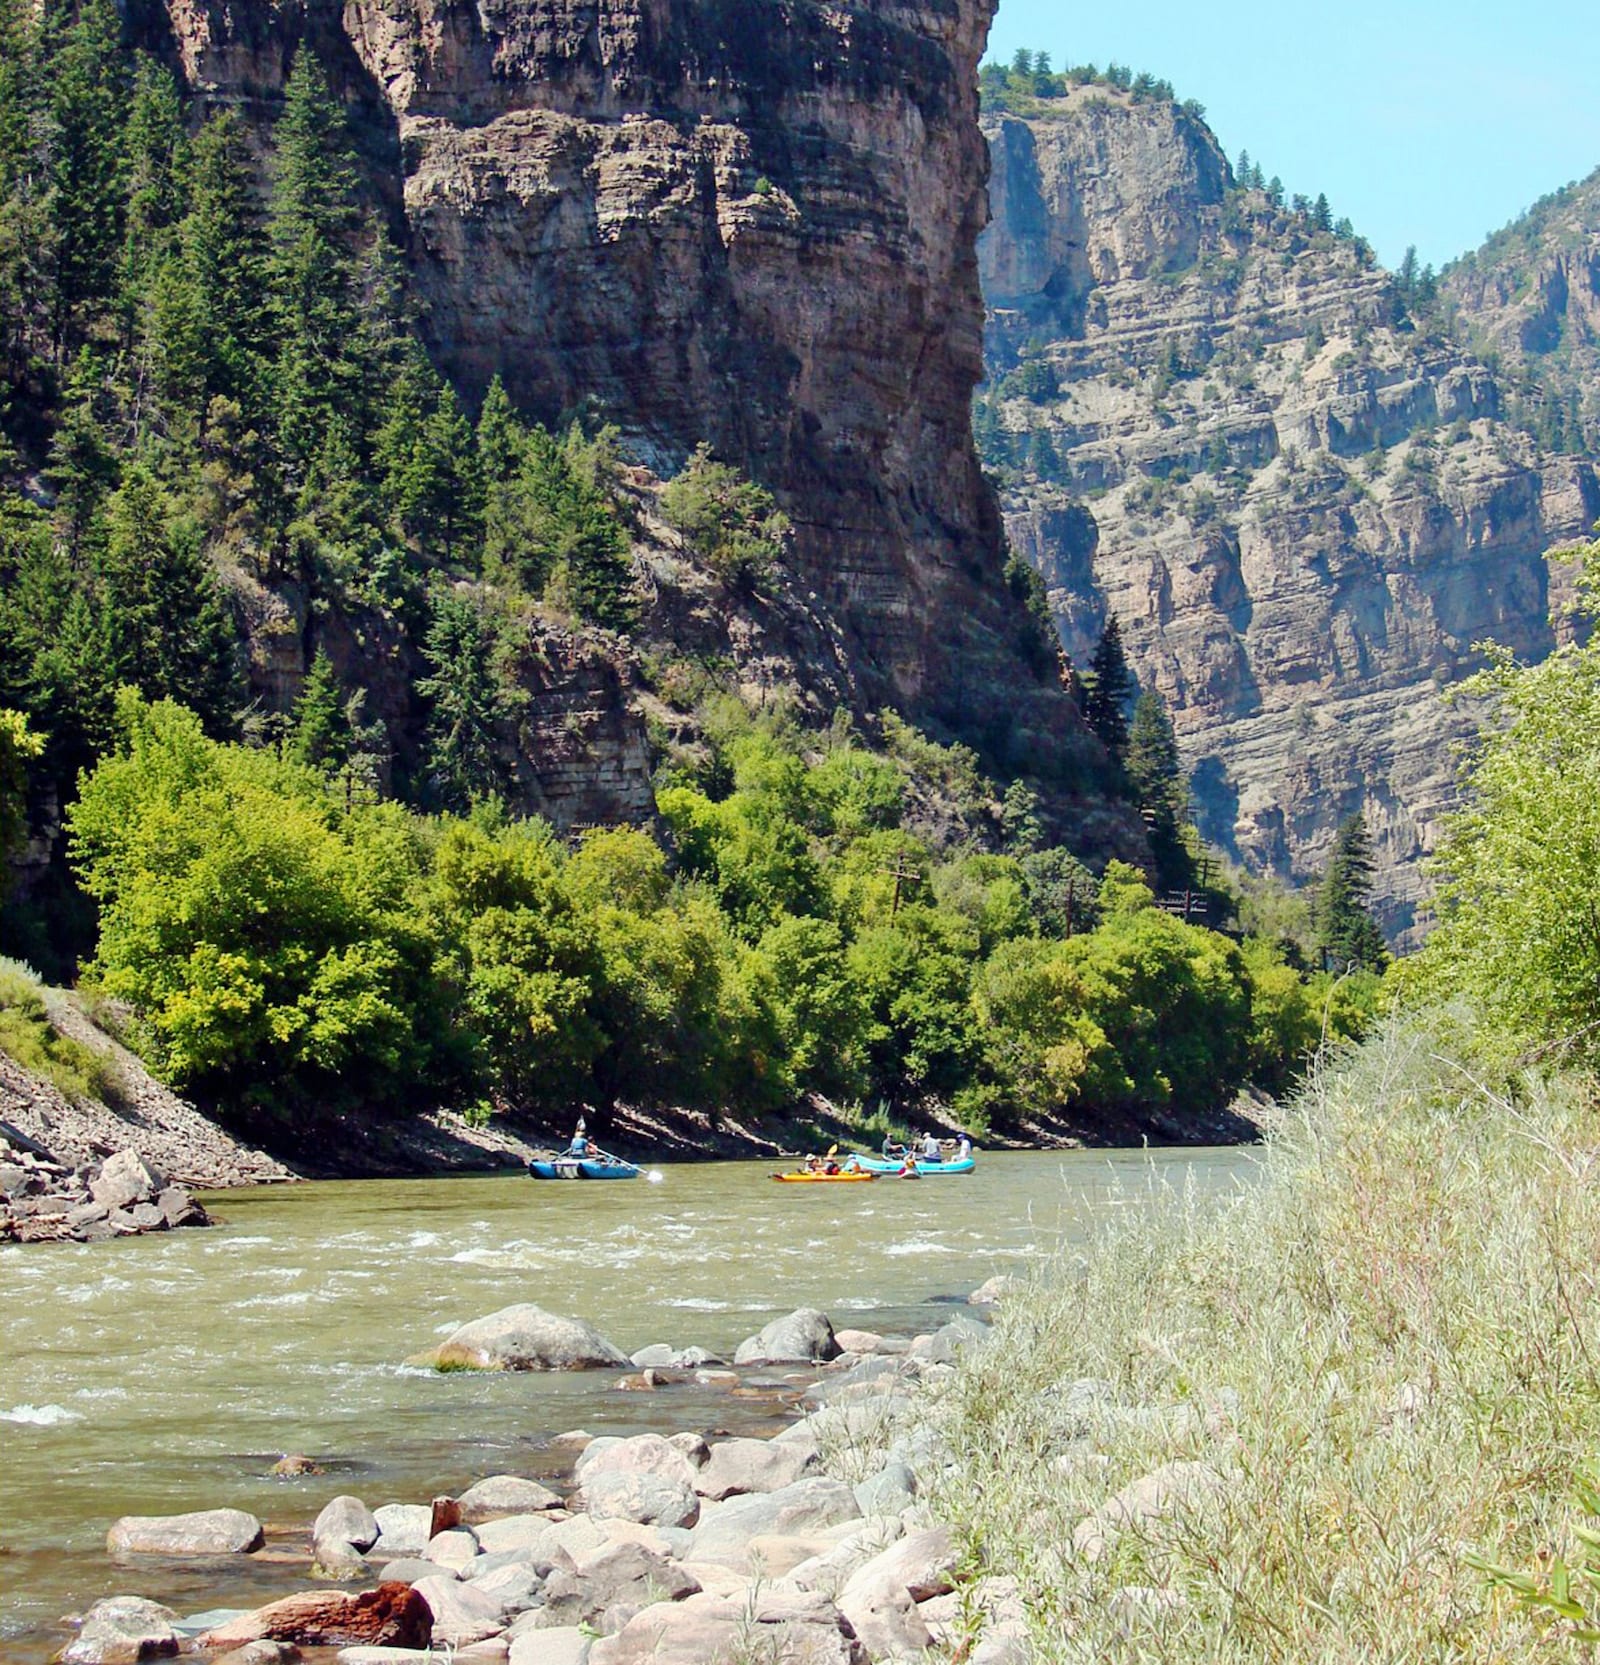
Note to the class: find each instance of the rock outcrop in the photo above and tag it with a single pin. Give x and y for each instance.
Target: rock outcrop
(750, 224)
(1304, 504)
(1529, 299)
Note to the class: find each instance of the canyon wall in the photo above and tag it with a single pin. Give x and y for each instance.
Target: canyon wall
(1304, 503)
(734, 221)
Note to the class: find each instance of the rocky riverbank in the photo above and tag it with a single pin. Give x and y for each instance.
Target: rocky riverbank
(43, 1201)
(821, 1545)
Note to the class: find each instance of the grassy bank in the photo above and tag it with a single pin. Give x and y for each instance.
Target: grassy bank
(1387, 1354)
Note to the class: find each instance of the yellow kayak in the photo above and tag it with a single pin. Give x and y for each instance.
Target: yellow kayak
(822, 1179)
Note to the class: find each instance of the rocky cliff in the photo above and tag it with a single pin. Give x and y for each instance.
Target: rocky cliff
(746, 223)
(1304, 504)
(1530, 300)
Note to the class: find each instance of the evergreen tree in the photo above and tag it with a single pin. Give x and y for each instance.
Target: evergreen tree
(82, 468)
(88, 107)
(311, 268)
(1321, 213)
(168, 630)
(1347, 934)
(320, 734)
(22, 217)
(157, 158)
(1156, 778)
(224, 297)
(468, 701)
(1109, 683)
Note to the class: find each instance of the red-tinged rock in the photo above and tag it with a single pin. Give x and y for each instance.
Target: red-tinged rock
(392, 1616)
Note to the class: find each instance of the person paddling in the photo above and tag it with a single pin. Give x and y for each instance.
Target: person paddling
(580, 1140)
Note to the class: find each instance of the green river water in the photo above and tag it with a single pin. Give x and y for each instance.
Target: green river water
(169, 1372)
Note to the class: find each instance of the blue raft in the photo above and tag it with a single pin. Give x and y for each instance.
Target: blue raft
(881, 1165)
(583, 1167)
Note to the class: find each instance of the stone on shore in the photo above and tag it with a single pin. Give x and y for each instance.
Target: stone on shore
(617, 1575)
(202, 1532)
(708, 1627)
(944, 1345)
(565, 1645)
(1174, 1488)
(885, 1619)
(393, 1615)
(124, 1179)
(922, 1563)
(804, 1336)
(693, 1447)
(799, 1510)
(408, 1569)
(123, 1630)
(648, 1498)
(462, 1613)
(642, 1454)
(455, 1548)
(262, 1652)
(506, 1494)
(525, 1337)
(892, 1489)
(858, 1341)
(736, 1467)
(403, 1529)
(994, 1290)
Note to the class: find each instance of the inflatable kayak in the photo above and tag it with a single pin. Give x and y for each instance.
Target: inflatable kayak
(582, 1167)
(878, 1165)
(845, 1177)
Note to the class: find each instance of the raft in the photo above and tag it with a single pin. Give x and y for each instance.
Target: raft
(878, 1165)
(844, 1177)
(582, 1167)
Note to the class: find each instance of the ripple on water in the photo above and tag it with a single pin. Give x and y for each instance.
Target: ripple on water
(41, 1416)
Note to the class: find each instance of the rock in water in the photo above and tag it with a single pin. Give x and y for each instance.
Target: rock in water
(506, 1494)
(803, 1337)
(204, 1532)
(346, 1520)
(526, 1337)
(123, 1630)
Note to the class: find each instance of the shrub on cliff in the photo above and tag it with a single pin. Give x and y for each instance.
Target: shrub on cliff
(730, 523)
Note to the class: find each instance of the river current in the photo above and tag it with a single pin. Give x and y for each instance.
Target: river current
(169, 1372)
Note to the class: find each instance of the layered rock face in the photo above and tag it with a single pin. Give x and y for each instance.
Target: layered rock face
(750, 223)
(1530, 298)
(1304, 506)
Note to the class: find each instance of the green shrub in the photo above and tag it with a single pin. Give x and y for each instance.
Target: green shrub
(28, 1038)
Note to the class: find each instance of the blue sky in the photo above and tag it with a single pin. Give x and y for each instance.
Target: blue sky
(1426, 123)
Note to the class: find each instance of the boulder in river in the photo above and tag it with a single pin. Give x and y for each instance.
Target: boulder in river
(121, 1631)
(125, 1179)
(804, 1336)
(202, 1532)
(525, 1337)
(393, 1615)
(346, 1520)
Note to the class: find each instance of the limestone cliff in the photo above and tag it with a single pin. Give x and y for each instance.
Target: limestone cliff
(1304, 505)
(1530, 300)
(751, 223)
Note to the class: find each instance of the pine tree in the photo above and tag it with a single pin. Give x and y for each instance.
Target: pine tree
(82, 468)
(168, 629)
(1347, 934)
(1109, 684)
(320, 735)
(224, 292)
(1156, 779)
(23, 237)
(311, 269)
(468, 701)
(157, 162)
(1321, 213)
(88, 108)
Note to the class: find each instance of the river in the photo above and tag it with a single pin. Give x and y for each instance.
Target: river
(169, 1372)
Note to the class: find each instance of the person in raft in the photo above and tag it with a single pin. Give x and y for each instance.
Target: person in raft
(580, 1140)
(930, 1148)
(963, 1148)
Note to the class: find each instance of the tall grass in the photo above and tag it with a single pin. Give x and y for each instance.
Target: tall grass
(29, 1038)
(1387, 1347)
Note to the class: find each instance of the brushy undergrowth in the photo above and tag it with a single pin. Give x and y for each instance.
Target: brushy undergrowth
(1388, 1349)
(29, 1038)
